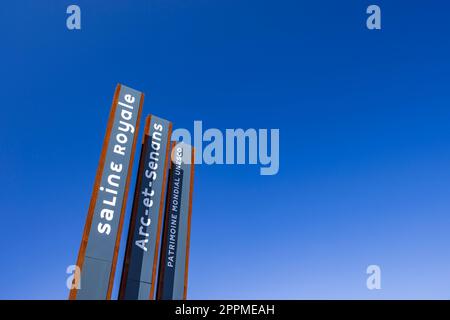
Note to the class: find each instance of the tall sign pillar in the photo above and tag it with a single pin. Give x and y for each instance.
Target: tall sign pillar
(97, 257)
(174, 262)
(142, 251)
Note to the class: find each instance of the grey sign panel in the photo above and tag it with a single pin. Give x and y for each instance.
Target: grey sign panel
(141, 256)
(97, 259)
(173, 270)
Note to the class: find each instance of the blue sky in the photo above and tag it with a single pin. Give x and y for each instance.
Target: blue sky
(364, 139)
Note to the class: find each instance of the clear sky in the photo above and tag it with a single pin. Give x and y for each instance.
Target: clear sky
(364, 139)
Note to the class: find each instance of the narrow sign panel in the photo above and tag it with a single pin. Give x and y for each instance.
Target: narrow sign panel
(141, 255)
(174, 262)
(99, 248)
